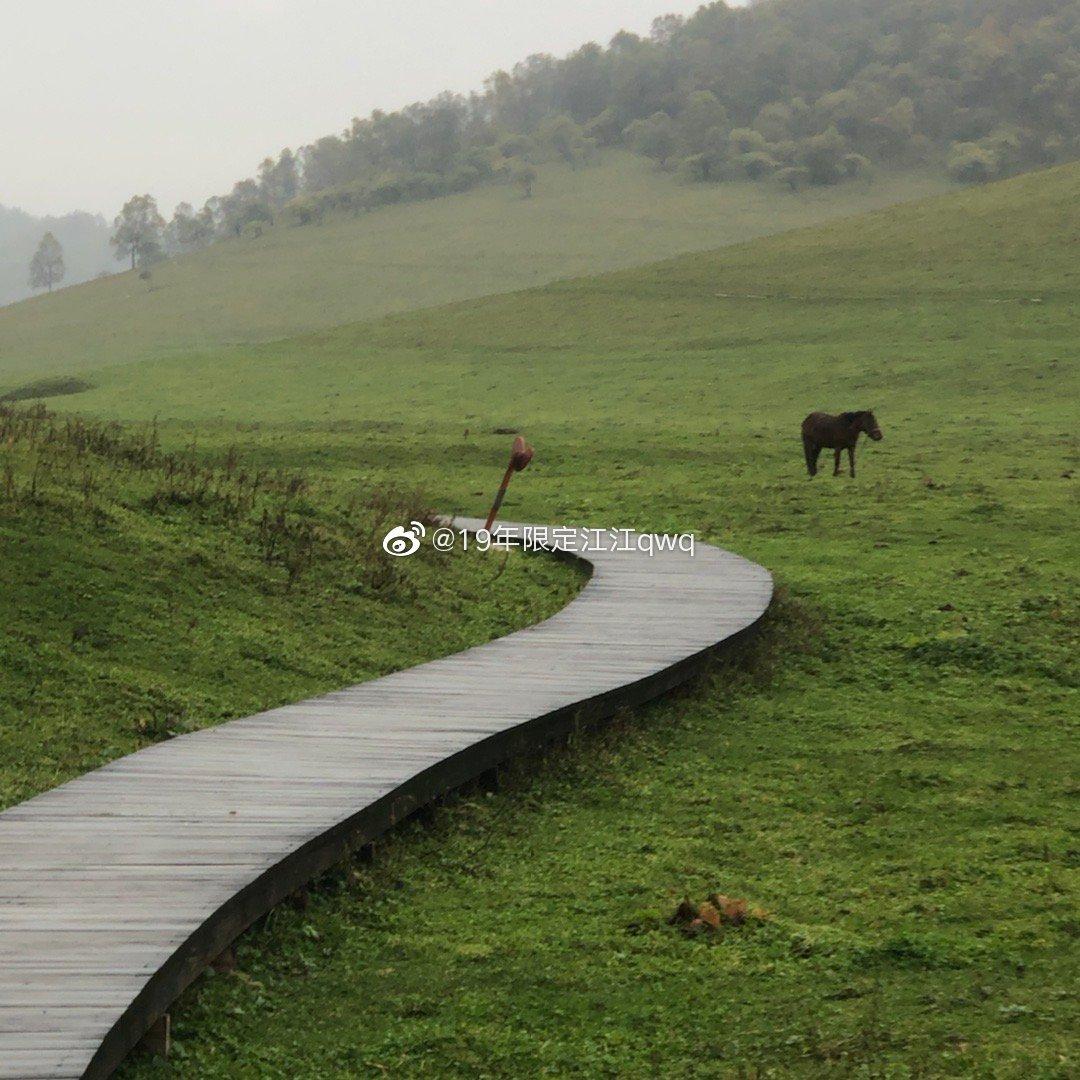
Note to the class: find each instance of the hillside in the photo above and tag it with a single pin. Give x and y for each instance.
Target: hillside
(940, 268)
(784, 93)
(146, 594)
(620, 212)
(886, 773)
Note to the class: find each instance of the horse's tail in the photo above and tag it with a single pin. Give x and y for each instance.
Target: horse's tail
(811, 451)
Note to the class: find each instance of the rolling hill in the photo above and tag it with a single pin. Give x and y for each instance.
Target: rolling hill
(886, 773)
(621, 212)
(627, 344)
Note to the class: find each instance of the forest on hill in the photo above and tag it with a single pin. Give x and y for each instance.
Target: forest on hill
(790, 92)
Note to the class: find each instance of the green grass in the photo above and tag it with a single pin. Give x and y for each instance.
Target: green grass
(889, 771)
(145, 596)
(620, 212)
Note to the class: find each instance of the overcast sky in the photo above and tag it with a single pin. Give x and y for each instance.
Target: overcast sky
(180, 98)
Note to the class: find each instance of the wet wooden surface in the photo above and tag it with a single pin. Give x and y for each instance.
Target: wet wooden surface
(118, 888)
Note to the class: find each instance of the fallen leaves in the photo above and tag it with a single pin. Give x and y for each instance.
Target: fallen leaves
(734, 911)
(714, 914)
(709, 915)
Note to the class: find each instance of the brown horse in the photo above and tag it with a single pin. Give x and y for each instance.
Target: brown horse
(837, 433)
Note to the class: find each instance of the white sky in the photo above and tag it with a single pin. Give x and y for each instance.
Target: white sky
(180, 98)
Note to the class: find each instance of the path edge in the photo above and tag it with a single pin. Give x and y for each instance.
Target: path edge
(331, 847)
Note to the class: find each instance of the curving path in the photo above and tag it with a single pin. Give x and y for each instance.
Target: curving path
(118, 888)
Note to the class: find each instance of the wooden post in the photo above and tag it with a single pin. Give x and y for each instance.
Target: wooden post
(520, 455)
(158, 1038)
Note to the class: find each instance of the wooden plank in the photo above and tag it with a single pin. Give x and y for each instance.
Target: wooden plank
(118, 888)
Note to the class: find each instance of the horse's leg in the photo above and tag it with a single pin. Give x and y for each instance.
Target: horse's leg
(811, 450)
(836, 462)
(851, 459)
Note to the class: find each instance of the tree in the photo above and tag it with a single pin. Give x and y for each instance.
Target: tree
(793, 177)
(665, 28)
(138, 231)
(583, 84)
(326, 163)
(696, 167)
(188, 230)
(700, 116)
(47, 265)
(245, 204)
(894, 129)
(280, 180)
(854, 165)
(605, 129)
(757, 164)
(972, 164)
(563, 137)
(513, 146)
(654, 137)
(747, 141)
(775, 121)
(523, 178)
(822, 156)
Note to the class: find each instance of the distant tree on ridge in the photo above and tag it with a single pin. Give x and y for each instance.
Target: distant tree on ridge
(188, 230)
(47, 265)
(138, 231)
(279, 180)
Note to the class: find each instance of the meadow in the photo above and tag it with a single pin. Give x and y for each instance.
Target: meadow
(888, 771)
(148, 593)
(619, 211)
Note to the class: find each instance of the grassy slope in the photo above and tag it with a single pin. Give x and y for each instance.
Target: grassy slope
(894, 783)
(619, 213)
(132, 612)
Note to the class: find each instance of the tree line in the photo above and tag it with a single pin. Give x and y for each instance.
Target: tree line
(795, 93)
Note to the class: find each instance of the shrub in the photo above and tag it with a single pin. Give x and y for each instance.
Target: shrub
(822, 156)
(655, 137)
(606, 128)
(853, 165)
(696, 167)
(757, 164)
(794, 177)
(515, 146)
(971, 163)
(747, 141)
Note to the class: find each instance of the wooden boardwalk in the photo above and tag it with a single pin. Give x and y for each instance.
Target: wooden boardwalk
(118, 888)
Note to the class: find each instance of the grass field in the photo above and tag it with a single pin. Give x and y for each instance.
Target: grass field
(146, 594)
(620, 212)
(889, 771)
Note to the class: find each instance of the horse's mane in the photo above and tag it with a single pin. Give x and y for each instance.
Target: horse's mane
(849, 417)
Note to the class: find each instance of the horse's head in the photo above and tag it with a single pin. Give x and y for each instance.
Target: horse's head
(865, 421)
(870, 425)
